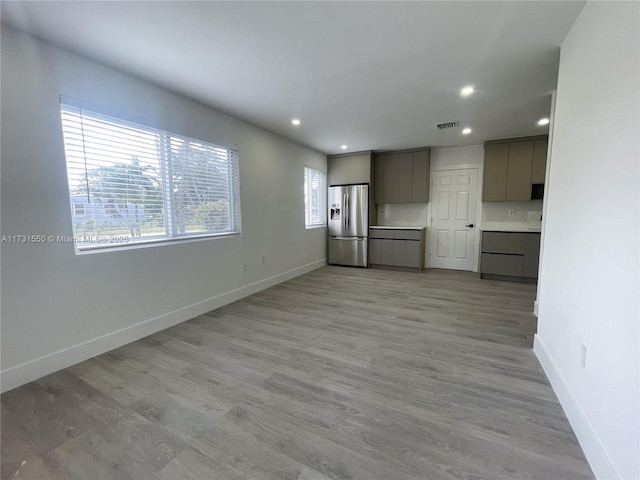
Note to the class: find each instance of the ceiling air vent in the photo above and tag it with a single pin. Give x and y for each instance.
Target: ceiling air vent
(442, 126)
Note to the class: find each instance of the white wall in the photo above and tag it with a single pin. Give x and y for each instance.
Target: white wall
(589, 287)
(59, 308)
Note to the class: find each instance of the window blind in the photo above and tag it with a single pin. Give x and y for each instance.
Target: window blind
(315, 197)
(129, 183)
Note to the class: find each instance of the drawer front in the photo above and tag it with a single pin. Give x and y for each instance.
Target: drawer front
(503, 242)
(406, 234)
(495, 264)
(380, 233)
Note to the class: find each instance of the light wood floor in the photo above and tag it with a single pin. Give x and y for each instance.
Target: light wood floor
(342, 373)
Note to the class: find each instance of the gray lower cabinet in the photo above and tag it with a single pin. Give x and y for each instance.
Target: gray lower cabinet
(386, 252)
(512, 255)
(413, 254)
(498, 264)
(375, 246)
(400, 253)
(402, 248)
(503, 242)
(531, 255)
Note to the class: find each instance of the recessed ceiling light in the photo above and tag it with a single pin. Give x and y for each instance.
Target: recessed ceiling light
(344, 147)
(466, 131)
(466, 91)
(296, 121)
(543, 121)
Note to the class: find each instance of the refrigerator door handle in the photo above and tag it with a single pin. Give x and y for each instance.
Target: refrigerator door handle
(344, 211)
(348, 212)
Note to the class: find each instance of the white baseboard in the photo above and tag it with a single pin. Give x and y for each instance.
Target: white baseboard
(26, 372)
(535, 308)
(591, 446)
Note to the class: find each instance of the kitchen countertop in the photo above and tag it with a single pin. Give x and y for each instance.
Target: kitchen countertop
(394, 227)
(484, 228)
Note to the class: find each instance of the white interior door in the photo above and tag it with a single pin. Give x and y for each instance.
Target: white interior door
(453, 219)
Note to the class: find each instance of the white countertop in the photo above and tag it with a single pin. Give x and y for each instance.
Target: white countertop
(488, 227)
(395, 227)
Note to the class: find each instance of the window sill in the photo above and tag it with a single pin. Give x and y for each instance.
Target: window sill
(133, 245)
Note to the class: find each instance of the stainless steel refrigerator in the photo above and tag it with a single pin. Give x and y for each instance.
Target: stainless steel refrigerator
(348, 225)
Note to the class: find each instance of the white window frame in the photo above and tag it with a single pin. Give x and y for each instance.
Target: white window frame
(315, 200)
(220, 178)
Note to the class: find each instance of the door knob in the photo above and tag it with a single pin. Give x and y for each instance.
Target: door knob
(470, 225)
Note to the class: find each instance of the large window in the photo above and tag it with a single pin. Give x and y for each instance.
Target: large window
(132, 184)
(315, 198)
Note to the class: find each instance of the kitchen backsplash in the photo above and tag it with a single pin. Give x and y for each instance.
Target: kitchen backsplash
(495, 215)
(525, 214)
(402, 214)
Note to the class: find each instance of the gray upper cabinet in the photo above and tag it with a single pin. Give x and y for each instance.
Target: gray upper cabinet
(337, 170)
(496, 163)
(349, 169)
(380, 177)
(395, 165)
(420, 190)
(400, 182)
(511, 167)
(393, 177)
(519, 172)
(360, 168)
(539, 167)
(402, 177)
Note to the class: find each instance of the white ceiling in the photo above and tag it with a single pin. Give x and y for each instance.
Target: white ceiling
(371, 75)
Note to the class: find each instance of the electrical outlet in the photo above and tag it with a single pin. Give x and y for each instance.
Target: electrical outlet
(244, 266)
(512, 212)
(263, 259)
(583, 356)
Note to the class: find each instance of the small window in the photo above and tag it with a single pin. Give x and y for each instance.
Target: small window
(143, 185)
(315, 198)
